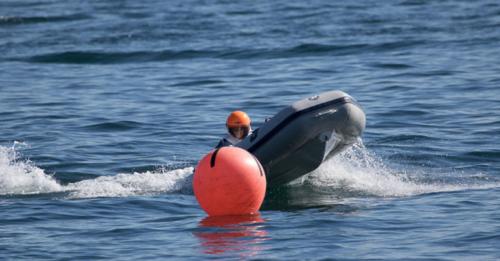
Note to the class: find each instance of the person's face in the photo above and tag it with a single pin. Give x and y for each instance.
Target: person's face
(239, 132)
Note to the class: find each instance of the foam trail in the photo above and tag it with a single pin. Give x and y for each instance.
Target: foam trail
(357, 171)
(21, 177)
(123, 185)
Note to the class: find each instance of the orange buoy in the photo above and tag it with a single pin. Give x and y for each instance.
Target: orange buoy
(229, 181)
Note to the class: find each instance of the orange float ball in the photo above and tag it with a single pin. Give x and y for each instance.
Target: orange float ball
(229, 181)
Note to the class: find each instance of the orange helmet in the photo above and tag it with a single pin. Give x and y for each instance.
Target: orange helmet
(238, 119)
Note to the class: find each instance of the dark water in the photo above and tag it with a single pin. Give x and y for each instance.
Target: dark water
(106, 107)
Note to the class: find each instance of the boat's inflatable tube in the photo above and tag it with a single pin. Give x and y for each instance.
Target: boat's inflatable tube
(301, 136)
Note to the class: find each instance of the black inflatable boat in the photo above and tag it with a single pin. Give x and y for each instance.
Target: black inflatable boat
(303, 135)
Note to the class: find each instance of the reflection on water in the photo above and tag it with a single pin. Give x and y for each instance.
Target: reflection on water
(228, 234)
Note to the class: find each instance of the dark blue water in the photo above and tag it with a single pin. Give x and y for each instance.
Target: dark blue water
(106, 107)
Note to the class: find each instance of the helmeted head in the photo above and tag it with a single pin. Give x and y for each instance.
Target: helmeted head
(238, 124)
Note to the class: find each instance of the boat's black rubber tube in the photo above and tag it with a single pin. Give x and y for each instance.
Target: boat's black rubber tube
(294, 116)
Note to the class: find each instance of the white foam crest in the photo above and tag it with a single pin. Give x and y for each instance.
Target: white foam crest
(23, 177)
(359, 171)
(123, 185)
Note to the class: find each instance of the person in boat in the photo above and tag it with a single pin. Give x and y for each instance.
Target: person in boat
(238, 127)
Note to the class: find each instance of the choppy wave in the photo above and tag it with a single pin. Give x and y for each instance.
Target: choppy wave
(96, 57)
(19, 20)
(307, 49)
(113, 126)
(22, 177)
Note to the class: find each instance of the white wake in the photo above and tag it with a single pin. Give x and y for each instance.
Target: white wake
(22, 177)
(359, 171)
(356, 171)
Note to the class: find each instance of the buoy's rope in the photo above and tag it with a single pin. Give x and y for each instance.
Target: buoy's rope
(212, 159)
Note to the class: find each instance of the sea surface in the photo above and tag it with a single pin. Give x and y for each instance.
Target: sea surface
(107, 106)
